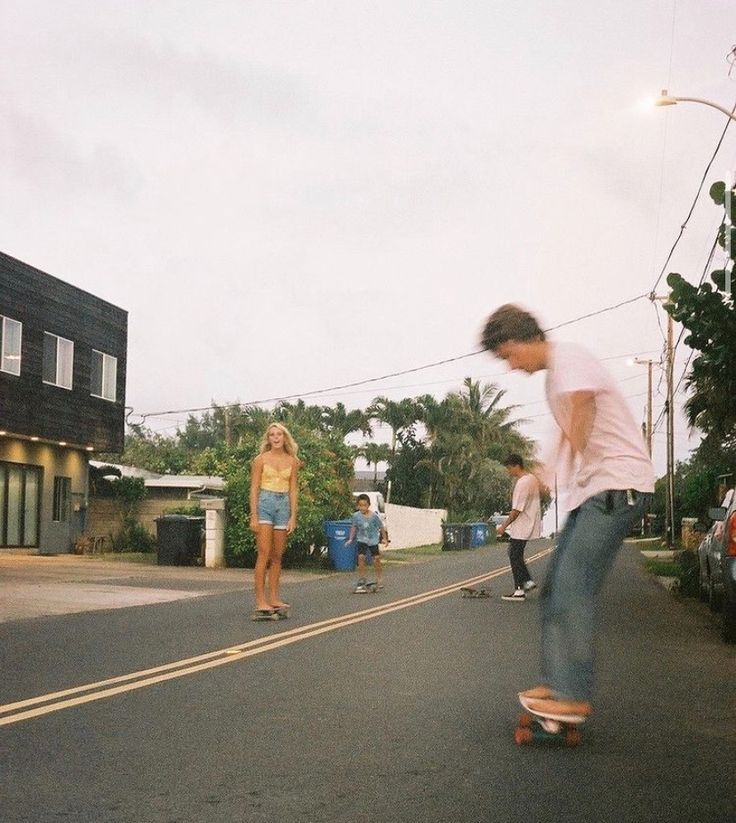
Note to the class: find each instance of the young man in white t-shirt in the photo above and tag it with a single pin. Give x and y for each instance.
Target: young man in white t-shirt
(523, 523)
(601, 457)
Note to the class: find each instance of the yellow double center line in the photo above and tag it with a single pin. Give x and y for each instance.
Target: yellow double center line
(78, 695)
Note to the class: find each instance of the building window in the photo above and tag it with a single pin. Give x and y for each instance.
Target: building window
(62, 496)
(58, 361)
(104, 375)
(20, 504)
(11, 333)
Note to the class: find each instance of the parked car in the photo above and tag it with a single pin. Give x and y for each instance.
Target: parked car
(720, 565)
(706, 561)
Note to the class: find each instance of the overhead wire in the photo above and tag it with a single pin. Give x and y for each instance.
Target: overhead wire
(381, 378)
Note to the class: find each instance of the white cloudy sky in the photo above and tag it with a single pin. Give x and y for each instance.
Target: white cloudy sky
(290, 195)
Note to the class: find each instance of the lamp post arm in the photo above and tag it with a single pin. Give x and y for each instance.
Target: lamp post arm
(669, 100)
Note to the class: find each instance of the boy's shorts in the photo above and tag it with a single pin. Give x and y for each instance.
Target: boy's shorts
(274, 509)
(364, 548)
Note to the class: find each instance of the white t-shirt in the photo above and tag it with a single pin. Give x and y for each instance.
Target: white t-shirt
(615, 456)
(528, 525)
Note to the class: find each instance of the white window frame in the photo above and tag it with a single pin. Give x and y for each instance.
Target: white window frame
(108, 379)
(60, 361)
(8, 358)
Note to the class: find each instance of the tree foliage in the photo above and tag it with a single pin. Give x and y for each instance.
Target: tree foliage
(707, 312)
(454, 464)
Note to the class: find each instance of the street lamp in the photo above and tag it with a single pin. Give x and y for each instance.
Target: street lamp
(666, 99)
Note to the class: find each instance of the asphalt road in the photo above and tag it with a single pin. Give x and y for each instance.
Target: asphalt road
(343, 714)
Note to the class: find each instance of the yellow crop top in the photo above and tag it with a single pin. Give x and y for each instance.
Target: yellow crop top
(275, 480)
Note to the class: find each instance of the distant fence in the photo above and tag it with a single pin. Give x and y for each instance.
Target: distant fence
(409, 527)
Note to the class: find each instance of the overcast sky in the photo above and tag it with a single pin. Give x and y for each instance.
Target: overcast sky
(289, 196)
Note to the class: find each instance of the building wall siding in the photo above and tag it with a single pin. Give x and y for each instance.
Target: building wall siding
(54, 538)
(43, 303)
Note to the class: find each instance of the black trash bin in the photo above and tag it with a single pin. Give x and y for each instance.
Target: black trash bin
(179, 539)
(456, 536)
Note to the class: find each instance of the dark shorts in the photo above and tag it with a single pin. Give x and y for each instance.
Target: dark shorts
(364, 548)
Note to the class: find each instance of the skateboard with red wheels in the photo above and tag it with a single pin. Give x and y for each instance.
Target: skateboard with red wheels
(534, 727)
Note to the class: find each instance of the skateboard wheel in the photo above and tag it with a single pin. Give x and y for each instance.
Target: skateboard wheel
(573, 737)
(523, 735)
(525, 721)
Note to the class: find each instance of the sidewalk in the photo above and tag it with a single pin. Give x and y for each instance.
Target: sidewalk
(40, 586)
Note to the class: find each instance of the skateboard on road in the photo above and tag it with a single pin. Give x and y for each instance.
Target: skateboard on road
(534, 727)
(270, 614)
(469, 591)
(364, 586)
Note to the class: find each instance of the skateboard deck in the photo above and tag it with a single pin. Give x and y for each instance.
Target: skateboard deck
(470, 591)
(534, 727)
(364, 586)
(269, 614)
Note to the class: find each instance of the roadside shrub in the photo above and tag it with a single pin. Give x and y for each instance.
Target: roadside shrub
(324, 494)
(133, 537)
(688, 572)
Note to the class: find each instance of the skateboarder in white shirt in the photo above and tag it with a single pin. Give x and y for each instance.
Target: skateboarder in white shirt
(601, 457)
(522, 524)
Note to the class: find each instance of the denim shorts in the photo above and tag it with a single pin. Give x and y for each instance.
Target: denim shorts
(274, 508)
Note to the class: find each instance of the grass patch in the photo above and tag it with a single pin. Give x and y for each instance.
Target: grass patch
(662, 568)
(648, 544)
(144, 558)
(411, 555)
(683, 567)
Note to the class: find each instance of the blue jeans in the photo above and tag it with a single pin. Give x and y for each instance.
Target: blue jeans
(587, 547)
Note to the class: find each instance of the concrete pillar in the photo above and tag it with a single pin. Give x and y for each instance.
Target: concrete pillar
(214, 527)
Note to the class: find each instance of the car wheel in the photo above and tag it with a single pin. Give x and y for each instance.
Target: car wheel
(714, 597)
(728, 626)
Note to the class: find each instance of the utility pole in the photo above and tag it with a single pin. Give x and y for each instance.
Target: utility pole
(648, 425)
(670, 433)
(670, 409)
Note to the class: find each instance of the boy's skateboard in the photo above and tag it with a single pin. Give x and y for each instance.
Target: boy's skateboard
(469, 591)
(364, 586)
(541, 728)
(270, 614)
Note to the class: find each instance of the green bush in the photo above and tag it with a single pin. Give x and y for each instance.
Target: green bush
(688, 573)
(324, 494)
(133, 537)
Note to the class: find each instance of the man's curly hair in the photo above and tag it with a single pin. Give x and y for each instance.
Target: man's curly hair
(509, 322)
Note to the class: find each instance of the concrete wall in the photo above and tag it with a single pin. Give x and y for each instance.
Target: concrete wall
(409, 527)
(103, 518)
(56, 461)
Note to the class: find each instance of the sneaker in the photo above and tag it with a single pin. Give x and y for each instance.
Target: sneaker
(518, 595)
(529, 585)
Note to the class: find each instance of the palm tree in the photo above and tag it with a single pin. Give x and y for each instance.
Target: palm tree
(339, 421)
(375, 453)
(399, 415)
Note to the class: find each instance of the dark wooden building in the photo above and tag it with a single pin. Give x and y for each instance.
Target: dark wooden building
(62, 397)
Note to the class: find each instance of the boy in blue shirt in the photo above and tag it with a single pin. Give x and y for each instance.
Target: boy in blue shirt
(368, 527)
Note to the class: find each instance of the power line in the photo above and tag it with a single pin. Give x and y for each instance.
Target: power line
(333, 389)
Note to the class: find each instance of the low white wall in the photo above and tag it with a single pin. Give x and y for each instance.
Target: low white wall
(409, 527)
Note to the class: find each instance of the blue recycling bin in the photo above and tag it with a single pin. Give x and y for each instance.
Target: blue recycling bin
(480, 535)
(343, 557)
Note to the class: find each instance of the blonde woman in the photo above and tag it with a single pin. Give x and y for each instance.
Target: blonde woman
(273, 504)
